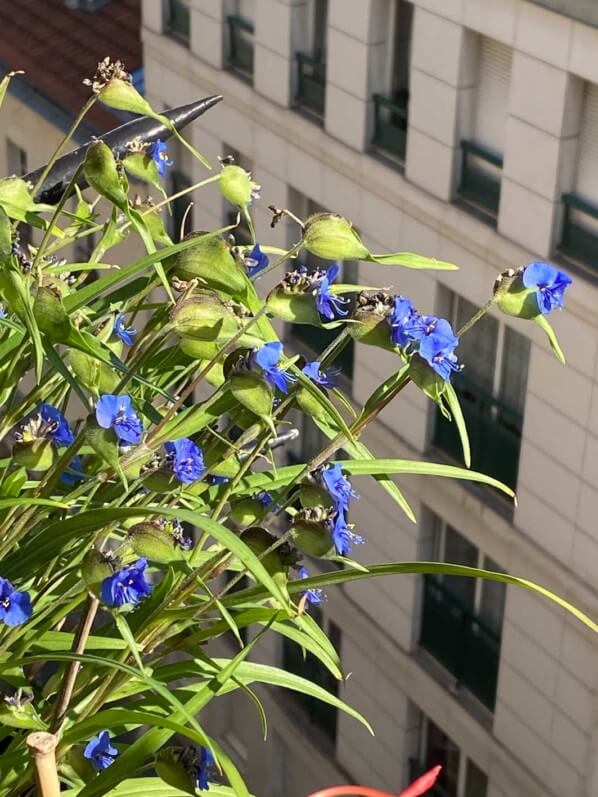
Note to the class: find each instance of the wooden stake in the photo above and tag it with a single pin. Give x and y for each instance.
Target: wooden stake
(42, 749)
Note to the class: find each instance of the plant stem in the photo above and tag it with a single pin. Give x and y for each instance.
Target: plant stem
(42, 749)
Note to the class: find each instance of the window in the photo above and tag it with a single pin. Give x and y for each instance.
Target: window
(180, 220)
(482, 154)
(462, 617)
(491, 390)
(580, 223)
(313, 340)
(240, 37)
(320, 714)
(459, 776)
(390, 107)
(311, 61)
(178, 20)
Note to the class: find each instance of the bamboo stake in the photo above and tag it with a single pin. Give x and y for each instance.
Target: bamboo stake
(42, 747)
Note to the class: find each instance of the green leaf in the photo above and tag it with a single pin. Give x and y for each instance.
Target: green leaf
(5, 81)
(450, 395)
(5, 235)
(152, 787)
(405, 568)
(411, 260)
(125, 632)
(543, 323)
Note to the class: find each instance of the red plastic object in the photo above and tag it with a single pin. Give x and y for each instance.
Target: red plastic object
(417, 788)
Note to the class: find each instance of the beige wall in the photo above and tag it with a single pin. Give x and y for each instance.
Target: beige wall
(542, 738)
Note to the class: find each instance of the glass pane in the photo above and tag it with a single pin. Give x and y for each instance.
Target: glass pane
(477, 349)
(442, 750)
(320, 21)
(515, 362)
(492, 604)
(459, 551)
(402, 52)
(476, 782)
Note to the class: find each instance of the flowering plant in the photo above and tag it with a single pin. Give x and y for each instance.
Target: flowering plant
(112, 460)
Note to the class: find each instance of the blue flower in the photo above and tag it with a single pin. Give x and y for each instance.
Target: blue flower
(100, 751)
(58, 428)
(126, 586)
(256, 261)
(550, 284)
(117, 413)
(74, 472)
(437, 347)
(338, 486)
(401, 318)
(266, 360)
(342, 536)
(15, 606)
(327, 304)
(264, 498)
(218, 479)
(3, 312)
(126, 334)
(314, 596)
(159, 155)
(324, 379)
(202, 774)
(185, 459)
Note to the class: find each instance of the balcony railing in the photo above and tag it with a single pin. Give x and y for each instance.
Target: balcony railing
(240, 44)
(390, 126)
(494, 430)
(177, 20)
(311, 83)
(580, 241)
(460, 641)
(480, 177)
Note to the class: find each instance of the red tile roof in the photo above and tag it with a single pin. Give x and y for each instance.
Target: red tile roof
(58, 47)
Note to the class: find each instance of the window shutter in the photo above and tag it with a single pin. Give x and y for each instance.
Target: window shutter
(587, 164)
(492, 95)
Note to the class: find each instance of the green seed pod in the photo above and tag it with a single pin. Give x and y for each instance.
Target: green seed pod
(252, 392)
(312, 495)
(175, 767)
(247, 511)
(426, 379)
(142, 167)
(311, 534)
(51, 315)
(215, 375)
(36, 455)
(332, 237)
(120, 94)
(96, 376)
(13, 291)
(237, 186)
(102, 174)
(309, 404)
(259, 540)
(161, 481)
(513, 298)
(211, 262)
(297, 308)
(204, 317)
(154, 542)
(95, 567)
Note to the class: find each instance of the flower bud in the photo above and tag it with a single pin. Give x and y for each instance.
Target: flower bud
(120, 94)
(426, 379)
(143, 168)
(210, 261)
(311, 534)
(51, 315)
(237, 186)
(247, 511)
(204, 317)
(259, 540)
(95, 567)
(297, 308)
(371, 314)
(513, 298)
(102, 174)
(154, 542)
(172, 765)
(96, 376)
(312, 495)
(37, 455)
(332, 237)
(252, 392)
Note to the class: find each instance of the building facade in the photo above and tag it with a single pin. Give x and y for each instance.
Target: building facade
(464, 130)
